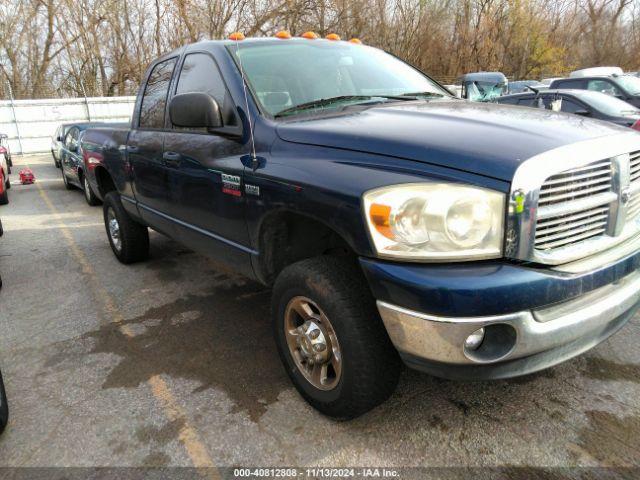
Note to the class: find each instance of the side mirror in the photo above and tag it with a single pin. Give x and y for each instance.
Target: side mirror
(195, 110)
(583, 113)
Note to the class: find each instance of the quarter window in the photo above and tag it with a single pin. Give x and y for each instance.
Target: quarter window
(154, 99)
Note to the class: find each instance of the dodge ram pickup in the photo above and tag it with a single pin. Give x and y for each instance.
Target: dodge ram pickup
(394, 222)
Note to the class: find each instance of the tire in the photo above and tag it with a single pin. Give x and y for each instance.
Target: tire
(4, 406)
(131, 244)
(89, 196)
(4, 196)
(369, 366)
(67, 185)
(56, 162)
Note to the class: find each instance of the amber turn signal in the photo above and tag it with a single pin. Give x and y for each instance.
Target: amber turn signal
(236, 36)
(283, 34)
(380, 216)
(333, 36)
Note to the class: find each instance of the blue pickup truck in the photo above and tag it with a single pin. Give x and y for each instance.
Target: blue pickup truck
(394, 222)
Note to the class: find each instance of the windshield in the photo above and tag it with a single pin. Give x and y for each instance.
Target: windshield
(326, 75)
(608, 105)
(630, 83)
(485, 91)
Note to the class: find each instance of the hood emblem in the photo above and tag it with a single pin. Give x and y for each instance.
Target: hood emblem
(625, 195)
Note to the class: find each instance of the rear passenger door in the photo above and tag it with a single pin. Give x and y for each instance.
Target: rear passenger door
(205, 172)
(144, 149)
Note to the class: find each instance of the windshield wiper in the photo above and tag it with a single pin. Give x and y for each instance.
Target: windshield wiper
(421, 94)
(322, 102)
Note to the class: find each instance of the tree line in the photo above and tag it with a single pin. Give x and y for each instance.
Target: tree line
(52, 48)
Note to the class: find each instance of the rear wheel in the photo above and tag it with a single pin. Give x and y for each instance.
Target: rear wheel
(331, 339)
(4, 195)
(56, 162)
(89, 196)
(129, 240)
(67, 185)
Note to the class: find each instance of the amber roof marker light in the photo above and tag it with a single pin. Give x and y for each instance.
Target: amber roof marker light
(310, 35)
(333, 36)
(236, 36)
(283, 35)
(356, 41)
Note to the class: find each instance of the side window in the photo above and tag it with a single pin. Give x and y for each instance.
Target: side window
(528, 102)
(578, 84)
(509, 101)
(200, 74)
(71, 138)
(154, 98)
(570, 106)
(604, 86)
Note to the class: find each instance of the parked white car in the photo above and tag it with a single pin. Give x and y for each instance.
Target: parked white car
(596, 72)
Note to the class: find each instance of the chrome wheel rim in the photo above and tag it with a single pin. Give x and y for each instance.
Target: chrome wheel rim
(114, 229)
(313, 343)
(87, 191)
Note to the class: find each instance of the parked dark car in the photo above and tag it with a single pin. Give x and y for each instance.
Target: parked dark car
(392, 220)
(57, 142)
(72, 161)
(581, 102)
(624, 87)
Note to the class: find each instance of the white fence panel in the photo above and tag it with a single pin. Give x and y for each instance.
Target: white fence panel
(31, 123)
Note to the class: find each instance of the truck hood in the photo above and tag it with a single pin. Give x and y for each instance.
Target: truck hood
(486, 139)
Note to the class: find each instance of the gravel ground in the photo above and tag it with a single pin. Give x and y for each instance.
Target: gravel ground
(171, 363)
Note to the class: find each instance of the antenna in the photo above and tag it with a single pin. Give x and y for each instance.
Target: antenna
(254, 158)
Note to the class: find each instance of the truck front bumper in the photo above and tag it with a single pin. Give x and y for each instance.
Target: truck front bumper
(547, 331)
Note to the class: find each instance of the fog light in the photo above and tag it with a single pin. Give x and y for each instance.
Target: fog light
(474, 340)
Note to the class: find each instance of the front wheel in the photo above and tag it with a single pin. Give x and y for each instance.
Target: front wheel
(331, 339)
(89, 196)
(129, 240)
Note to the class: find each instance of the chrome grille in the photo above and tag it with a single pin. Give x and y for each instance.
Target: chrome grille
(633, 209)
(564, 230)
(569, 209)
(576, 183)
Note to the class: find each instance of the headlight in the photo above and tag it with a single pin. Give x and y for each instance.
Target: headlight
(436, 221)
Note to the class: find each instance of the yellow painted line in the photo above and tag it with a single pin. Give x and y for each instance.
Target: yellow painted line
(188, 436)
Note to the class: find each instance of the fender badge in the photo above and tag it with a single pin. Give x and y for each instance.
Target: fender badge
(252, 189)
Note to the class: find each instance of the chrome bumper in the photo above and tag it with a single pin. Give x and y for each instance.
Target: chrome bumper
(513, 336)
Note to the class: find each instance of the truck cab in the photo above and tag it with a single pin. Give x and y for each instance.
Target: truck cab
(483, 86)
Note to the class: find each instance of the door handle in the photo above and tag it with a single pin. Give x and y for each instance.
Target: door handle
(171, 159)
(131, 148)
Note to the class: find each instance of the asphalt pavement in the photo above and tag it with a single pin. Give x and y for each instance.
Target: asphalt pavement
(171, 362)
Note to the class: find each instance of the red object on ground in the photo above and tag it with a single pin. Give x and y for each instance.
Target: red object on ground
(26, 176)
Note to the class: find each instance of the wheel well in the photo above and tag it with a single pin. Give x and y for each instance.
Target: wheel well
(287, 237)
(104, 180)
